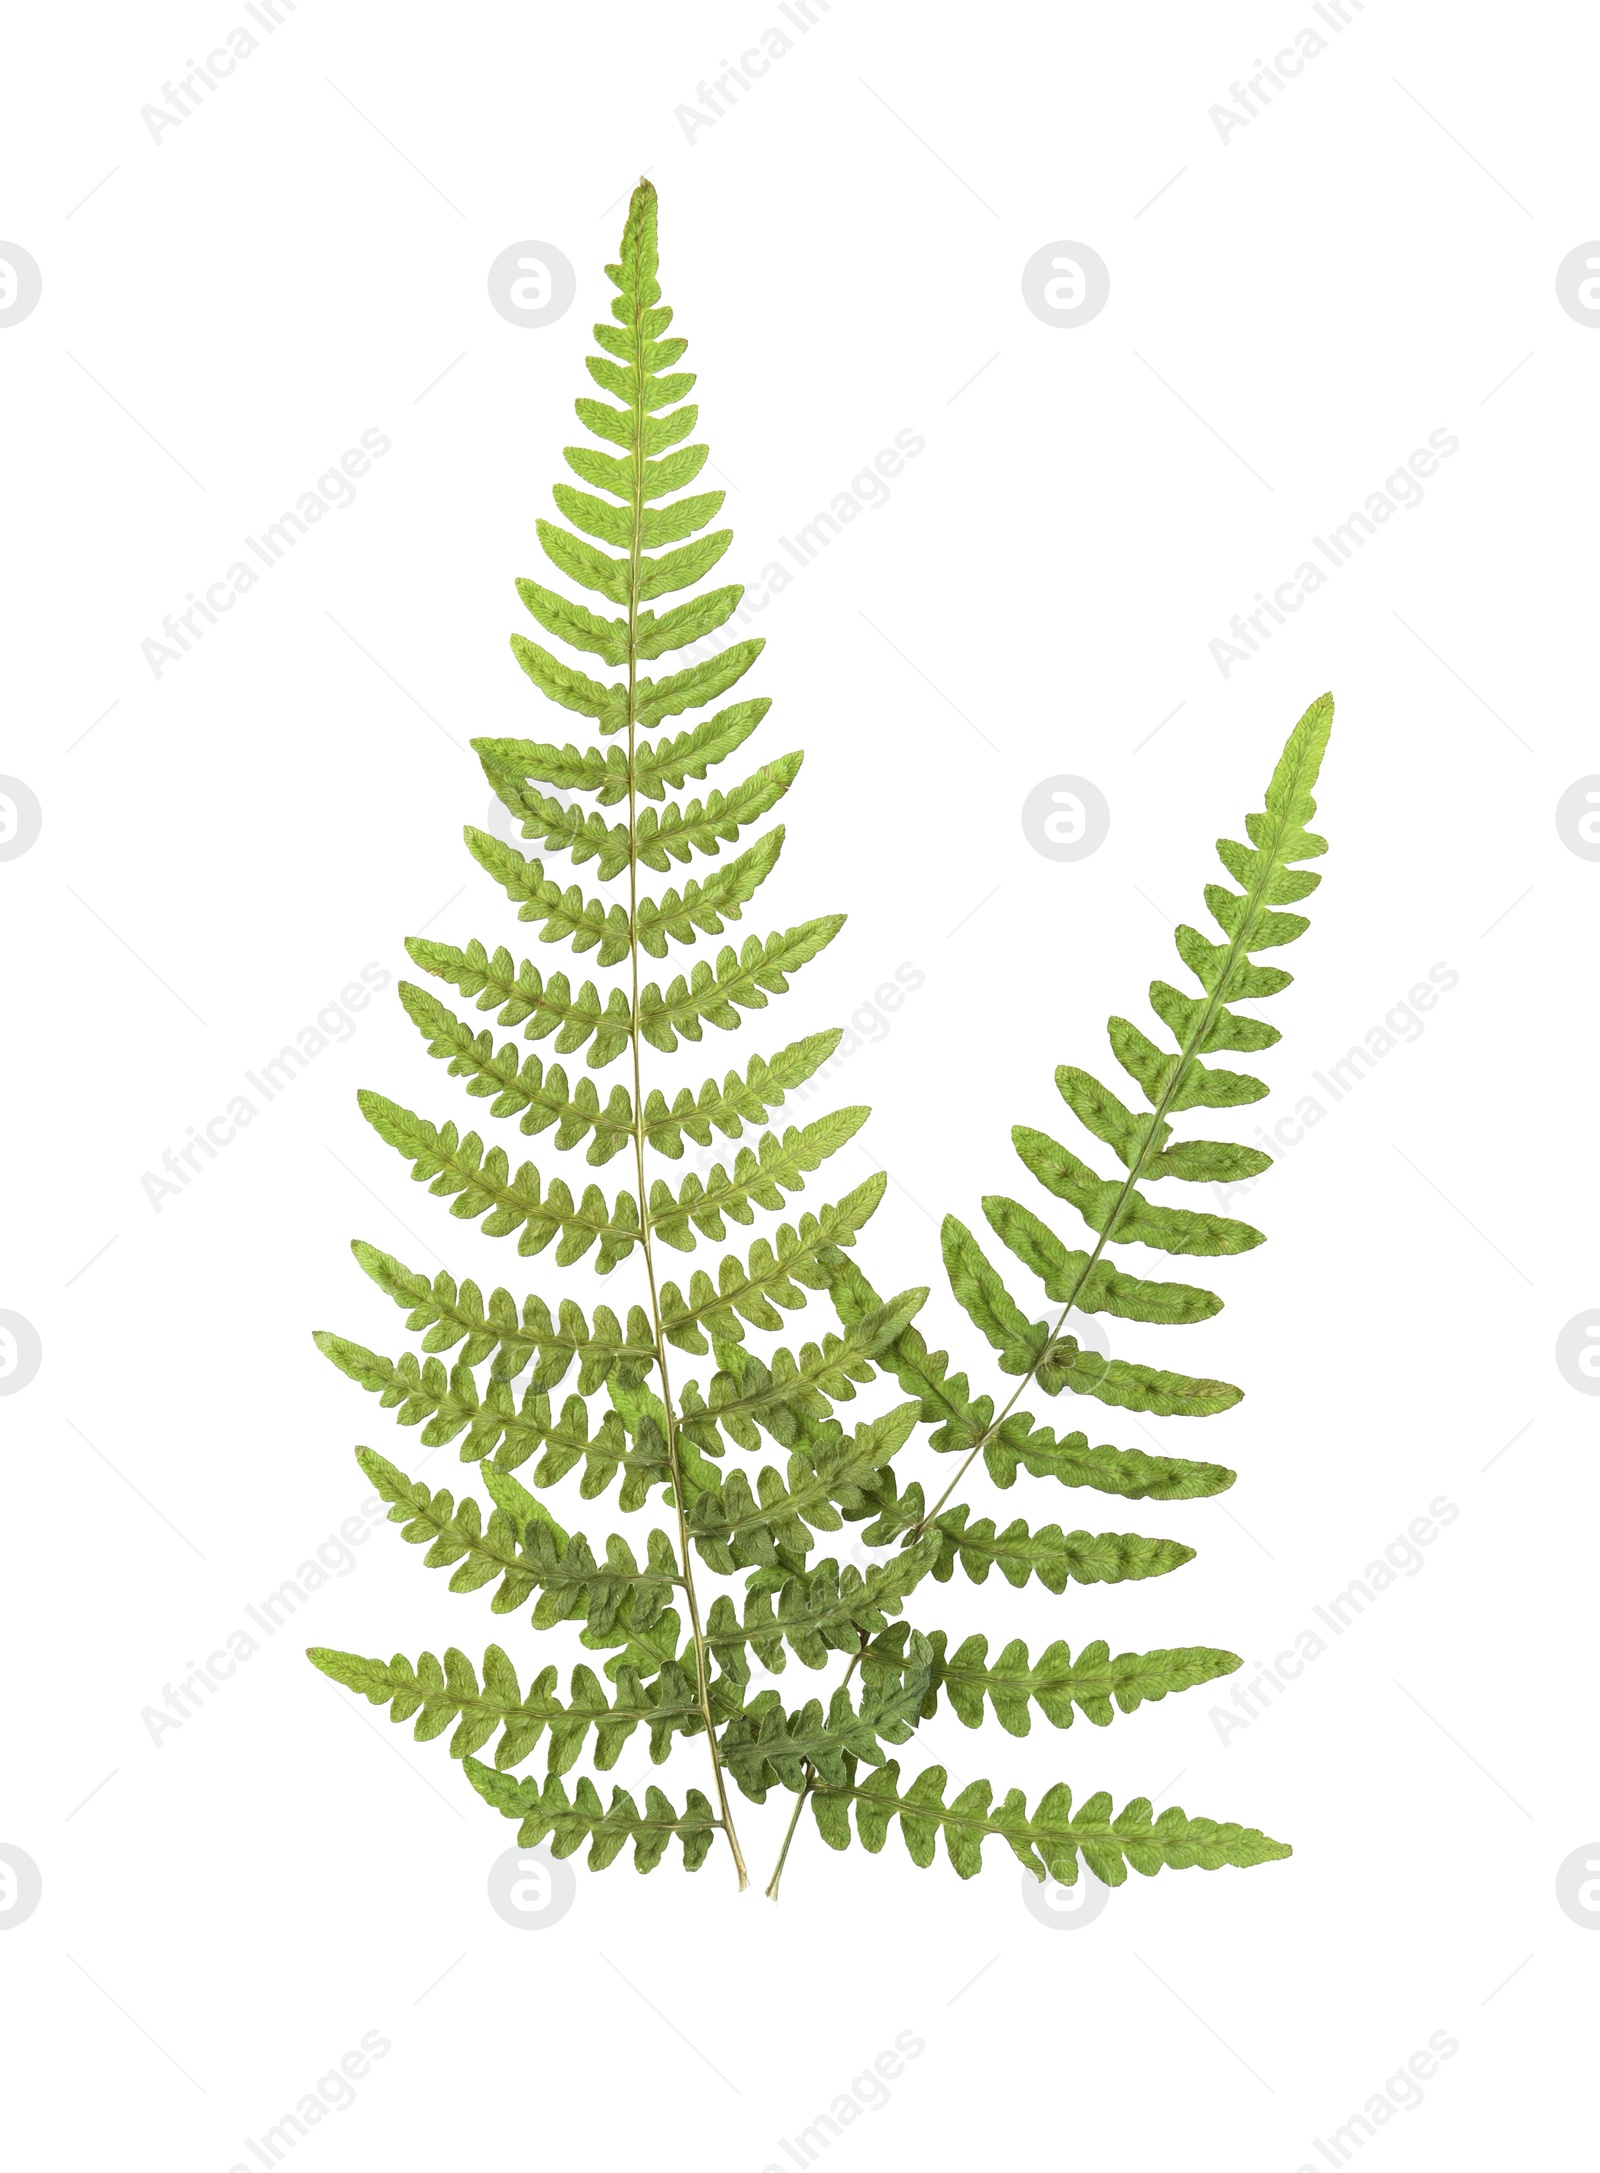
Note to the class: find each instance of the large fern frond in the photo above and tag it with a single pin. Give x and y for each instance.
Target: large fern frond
(599, 818)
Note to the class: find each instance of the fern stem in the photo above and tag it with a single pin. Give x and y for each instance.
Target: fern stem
(810, 1778)
(691, 1600)
(1238, 946)
(809, 1782)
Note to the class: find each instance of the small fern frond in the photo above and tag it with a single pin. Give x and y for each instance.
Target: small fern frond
(1042, 1353)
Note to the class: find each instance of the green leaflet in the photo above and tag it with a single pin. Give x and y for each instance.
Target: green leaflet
(830, 1475)
(738, 1101)
(522, 993)
(478, 1181)
(772, 1276)
(1050, 1841)
(1119, 1210)
(1055, 1557)
(520, 1084)
(455, 1534)
(671, 760)
(447, 1404)
(570, 1821)
(454, 1313)
(1095, 1684)
(1017, 1444)
(767, 1747)
(1101, 1288)
(812, 1612)
(740, 980)
(963, 1422)
(759, 1178)
(657, 840)
(438, 1694)
(776, 1393)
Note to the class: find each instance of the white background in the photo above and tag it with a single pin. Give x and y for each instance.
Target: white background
(304, 258)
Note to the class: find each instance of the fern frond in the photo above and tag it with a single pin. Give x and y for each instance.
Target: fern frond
(1050, 1841)
(1117, 1210)
(1044, 1354)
